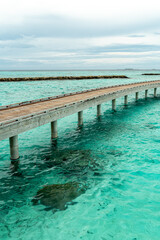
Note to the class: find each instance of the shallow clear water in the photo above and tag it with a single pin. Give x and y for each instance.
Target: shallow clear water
(122, 199)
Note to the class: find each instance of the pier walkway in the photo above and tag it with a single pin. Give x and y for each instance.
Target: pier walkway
(20, 117)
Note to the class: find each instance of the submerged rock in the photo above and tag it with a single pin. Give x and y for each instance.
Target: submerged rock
(151, 126)
(76, 160)
(115, 152)
(73, 161)
(58, 195)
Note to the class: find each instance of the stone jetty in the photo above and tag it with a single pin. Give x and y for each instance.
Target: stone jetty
(59, 78)
(150, 74)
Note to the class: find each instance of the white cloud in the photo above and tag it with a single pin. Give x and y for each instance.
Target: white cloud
(130, 54)
(58, 33)
(89, 9)
(110, 60)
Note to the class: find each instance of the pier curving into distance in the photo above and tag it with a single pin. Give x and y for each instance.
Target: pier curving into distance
(20, 117)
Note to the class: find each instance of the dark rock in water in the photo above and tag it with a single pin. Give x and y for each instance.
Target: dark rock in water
(73, 161)
(58, 195)
(76, 160)
(116, 153)
(151, 126)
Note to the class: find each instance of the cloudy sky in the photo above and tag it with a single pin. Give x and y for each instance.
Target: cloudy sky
(85, 34)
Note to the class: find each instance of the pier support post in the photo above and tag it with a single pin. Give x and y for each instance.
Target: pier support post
(80, 118)
(98, 110)
(125, 100)
(114, 104)
(14, 152)
(137, 96)
(146, 93)
(54, 133)
(155, 92)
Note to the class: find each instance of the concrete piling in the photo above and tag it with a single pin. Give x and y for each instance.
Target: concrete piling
(146, 93)
(98, 110)
(125, 100)
(80, 118)
(114, 104)
(155, 92)
(14, 152)
(54, 132)
(137, 93)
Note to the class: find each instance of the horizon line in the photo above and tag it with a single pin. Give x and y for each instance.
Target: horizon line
(49, 70)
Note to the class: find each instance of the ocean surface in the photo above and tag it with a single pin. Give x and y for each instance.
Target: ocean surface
(116, 156)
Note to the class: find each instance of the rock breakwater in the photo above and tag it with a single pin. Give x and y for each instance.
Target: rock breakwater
(59, 78)
(150, 74)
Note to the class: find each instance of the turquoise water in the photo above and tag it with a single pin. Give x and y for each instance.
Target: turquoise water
(122, 199)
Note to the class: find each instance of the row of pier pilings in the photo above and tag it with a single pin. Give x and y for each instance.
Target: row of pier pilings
(14, 152)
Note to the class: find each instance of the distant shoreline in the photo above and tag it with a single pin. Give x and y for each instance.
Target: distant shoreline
(60, 78)
(77, 70)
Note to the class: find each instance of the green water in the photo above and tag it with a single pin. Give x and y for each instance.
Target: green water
(122, 199)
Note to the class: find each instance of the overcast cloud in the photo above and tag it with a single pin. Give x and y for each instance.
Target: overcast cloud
(86, 35)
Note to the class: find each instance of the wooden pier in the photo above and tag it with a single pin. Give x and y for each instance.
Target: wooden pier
(20, 117)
